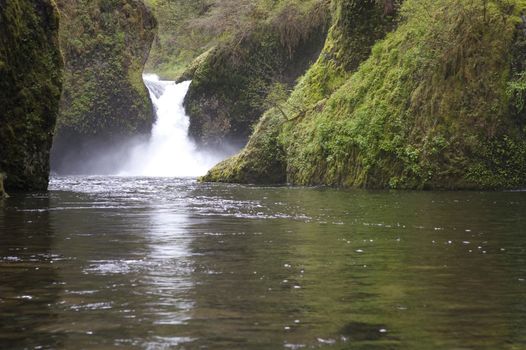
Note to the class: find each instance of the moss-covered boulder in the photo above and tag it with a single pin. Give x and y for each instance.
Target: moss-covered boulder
(438, 104)
(231, 82)
(30, 87)
(106, 44)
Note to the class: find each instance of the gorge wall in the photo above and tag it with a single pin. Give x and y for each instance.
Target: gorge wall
(231, 83)
(30, 88)
(437, 104)
(105, 44)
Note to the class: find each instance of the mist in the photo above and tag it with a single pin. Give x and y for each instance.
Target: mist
(167, 152)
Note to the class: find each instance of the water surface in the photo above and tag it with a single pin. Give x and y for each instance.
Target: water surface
(146, 263)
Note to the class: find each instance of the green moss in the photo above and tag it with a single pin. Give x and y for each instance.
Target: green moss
(357, 25)
(30, 88)
(436, 105)
(262, 161)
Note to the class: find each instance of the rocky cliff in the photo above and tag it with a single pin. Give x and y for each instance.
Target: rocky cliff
(437, 104)
(30, 88)
(106, 44)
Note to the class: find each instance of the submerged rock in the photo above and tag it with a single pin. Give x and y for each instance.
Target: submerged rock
(437, 104)
(106, 45)
(30, 88)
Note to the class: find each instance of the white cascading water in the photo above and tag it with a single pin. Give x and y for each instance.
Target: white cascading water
(169, 152)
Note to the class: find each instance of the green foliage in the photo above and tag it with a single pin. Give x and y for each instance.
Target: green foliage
(178, 42)
(430, 107)
(30, 88)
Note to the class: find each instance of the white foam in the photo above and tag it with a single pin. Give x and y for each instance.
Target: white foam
(170, 152)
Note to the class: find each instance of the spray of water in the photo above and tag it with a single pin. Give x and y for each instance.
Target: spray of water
(169, 151)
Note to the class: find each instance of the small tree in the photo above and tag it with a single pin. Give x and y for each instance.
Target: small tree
(277, 98)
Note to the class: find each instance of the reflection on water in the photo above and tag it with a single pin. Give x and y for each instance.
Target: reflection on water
(29, 283)
(103, 263)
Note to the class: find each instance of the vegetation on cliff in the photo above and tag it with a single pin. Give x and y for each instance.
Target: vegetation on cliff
(439, 103)
(30, 88)
(180, 40)
(105, 44)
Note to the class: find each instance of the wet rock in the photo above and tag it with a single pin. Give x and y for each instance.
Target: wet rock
(30, 88)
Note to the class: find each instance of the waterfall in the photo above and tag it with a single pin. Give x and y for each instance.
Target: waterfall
(169, 151)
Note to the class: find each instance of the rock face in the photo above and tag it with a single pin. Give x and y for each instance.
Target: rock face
(437, 104)
(30, 88)
(106, 44)
(230, 83)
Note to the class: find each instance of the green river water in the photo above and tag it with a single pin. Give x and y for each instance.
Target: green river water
(153, 263)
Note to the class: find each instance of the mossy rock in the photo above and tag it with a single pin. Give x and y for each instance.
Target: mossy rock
(30, 89)
(438, 104)
(106, 44)
(262, 161)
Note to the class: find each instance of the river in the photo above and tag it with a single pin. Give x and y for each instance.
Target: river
(166, 263)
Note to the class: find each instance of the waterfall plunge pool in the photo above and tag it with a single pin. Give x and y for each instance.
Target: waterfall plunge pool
(166, 263)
